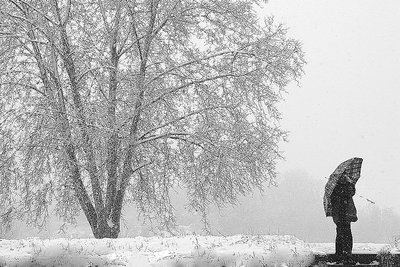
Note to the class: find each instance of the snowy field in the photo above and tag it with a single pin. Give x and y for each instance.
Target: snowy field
(239, 250)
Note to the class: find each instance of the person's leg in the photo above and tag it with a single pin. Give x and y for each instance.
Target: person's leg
(348, 241)
(339, 244)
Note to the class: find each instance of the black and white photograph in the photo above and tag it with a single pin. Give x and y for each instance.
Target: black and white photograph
(199, 133)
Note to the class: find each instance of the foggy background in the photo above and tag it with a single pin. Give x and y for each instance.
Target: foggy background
(348, 102)
(293, 208)
(347, 105)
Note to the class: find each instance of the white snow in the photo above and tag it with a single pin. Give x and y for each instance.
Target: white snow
(110, 223)
(191, 250)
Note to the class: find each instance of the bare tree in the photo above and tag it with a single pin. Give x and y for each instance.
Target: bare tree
(105, 102)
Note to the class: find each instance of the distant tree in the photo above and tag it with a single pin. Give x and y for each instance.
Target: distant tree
(104, 102)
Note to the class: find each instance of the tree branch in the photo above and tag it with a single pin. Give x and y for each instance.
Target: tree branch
(176, 136)
(113, 142)
(181, 118)
(132, 15)
(30, 27)
(103, 15)
(69, 65)
(189, 63)
(175, 89)
(12, 35)
(25, 85)
(67, 14)
(65, 132)
(143, 140)
(33, 8)
(127, 168)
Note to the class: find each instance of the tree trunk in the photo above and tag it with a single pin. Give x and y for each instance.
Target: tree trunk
(106, 230)
(103, 227)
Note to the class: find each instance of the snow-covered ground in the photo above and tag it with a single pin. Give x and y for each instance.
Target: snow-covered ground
(192, 250)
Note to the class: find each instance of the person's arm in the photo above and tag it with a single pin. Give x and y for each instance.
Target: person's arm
(349, 191)
(352, 190)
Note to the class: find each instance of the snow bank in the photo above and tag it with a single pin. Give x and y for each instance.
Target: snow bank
(192, 250)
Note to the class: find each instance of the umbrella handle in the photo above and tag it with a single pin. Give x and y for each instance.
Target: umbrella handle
(369, 200)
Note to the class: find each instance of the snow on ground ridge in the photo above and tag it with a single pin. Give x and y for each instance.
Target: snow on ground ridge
(191, 250)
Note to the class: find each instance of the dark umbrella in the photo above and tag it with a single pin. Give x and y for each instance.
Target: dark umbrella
(349, 170)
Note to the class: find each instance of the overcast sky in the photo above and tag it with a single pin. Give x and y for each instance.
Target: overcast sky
(348, 101)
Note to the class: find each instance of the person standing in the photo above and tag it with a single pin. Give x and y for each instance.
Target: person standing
(343, 213)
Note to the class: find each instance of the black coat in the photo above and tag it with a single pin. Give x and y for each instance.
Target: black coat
(343, 208)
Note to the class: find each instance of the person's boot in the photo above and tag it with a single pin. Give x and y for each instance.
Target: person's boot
(348, 259)
(338, 258)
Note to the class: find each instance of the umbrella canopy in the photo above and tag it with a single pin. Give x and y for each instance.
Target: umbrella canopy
(350, 170)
